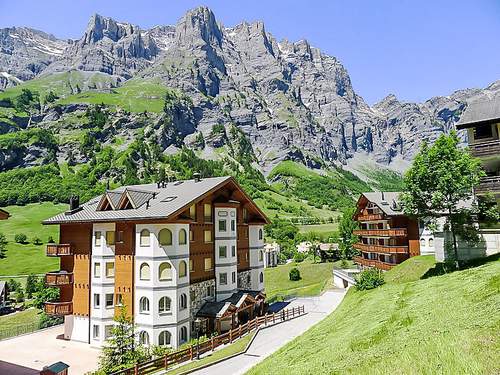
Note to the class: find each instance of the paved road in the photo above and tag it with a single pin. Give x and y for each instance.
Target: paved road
(269, 340)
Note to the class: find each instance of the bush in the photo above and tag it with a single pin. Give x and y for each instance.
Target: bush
(49, 321)
(50, 240)
(20, 238)
(37, 241)
(294, 274)
(369, 279)
(299, 257)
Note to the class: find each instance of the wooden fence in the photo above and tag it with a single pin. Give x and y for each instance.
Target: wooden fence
(191, 352)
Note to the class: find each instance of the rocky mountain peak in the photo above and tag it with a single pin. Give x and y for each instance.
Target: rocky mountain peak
(198, 27)
(100, 27)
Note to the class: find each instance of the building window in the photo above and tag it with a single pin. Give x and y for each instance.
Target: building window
(97, 238)
(261, 277)
(207, 236)
(222, 251)
(165, 271)
(261, 236)
(422, 242)
(261, 255)
(145, 238)
(431, 242)
(110, 270)
(233, 277)
(144, 305)
(233, 225)
(192, 212)
(165, 237)
(233, 251)
(108, 331)
(207, 212)
(97, 270)
(182, 237)
(183, 302)
(164, 305)
(109, 300)
(144, 272)
(119, 299)
(183, 336)
(483, 131)
(191, 236)
(208, 264)
(191, 265)
(164, 338)
(182, 269)
(222, 226)
(110, 237)
(97, 300)
(95, 331)
(144, 338)
(223, 278)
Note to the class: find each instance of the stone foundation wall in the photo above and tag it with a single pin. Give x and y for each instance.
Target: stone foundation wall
(199, 295)
(244, 280)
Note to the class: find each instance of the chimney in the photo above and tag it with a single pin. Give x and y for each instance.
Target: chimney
(197, 177)
(74, 205)
(383, 196)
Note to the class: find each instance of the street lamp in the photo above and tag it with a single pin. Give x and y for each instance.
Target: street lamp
(197, 327)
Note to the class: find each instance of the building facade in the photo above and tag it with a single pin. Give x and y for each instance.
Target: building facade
(160, 252)
(387, 237)
(271, 254)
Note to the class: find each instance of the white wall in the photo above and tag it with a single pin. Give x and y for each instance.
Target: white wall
(229, 264)
(256, 246)
(76, 328)
(488, 245)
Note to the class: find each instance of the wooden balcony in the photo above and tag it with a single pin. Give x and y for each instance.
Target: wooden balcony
(57, 250)
(386, 249)
(401, 232)
(373, 263)
(370, 217)
(490, 148)
(489, 184)
(59, 278)
(59, 308)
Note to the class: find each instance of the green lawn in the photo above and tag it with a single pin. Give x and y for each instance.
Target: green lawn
(319, 228)
(447, 324)
(237, 347)
(410, 271)
(19, 318)
(315, 278)
(29, 258)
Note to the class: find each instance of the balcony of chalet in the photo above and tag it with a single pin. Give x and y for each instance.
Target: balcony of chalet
(386, 249)
(373, 263)
(370, 217)
(485, 148)
(398, 232)
(60, 278)
(58, 308)
(57, 250)
(489, 184)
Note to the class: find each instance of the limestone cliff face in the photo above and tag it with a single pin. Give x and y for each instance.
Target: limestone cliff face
(290, 100)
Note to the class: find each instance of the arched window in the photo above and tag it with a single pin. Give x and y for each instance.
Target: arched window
(431, 242)
(261, 277)
(144, 305)
(165, 237)
(182, 237)
(144, 272)
(261, 255)
(260, 234)
(144, 240)
(183, 302)
(184, 334)
(164, 305)
(144, 338)
(164, 338)
(422, 242)
(165, 271)
(182, 269)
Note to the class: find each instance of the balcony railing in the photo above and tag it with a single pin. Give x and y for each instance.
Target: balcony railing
(370, 217)
(488, 185)
(387, 249)
(56, 250)
(381, 232)
(373, 263)
(59, 308)
(490, 148)
(59, 278)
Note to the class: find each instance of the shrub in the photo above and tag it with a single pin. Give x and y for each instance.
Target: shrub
(19, 296)
(50, 240)
(20, 238)
(49, 321)
(299, 257)
(294, 274)
(369, 279)
(37, 241)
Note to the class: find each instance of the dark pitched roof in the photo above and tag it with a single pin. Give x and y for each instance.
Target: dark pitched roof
(214, 309)
(480, 112)
(57, 367)
(388, 202)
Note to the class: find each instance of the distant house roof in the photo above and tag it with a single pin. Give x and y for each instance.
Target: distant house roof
(388, 201)
(149, 201)
(57, 367)
(480, 112)
(4, 214)
(233, 302)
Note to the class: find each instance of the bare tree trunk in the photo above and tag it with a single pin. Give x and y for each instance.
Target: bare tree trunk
(455, 246)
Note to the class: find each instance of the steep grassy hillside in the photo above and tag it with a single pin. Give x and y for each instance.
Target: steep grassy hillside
(440, 325)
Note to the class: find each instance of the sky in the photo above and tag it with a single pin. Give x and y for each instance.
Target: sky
(412, 49)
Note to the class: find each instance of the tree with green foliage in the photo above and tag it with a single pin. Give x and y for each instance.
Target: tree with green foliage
(121, 349)
(14, 285)
(294, 274)
(44, 294)
(3, 245)
(20, 238)
(440, 180)
(370, 278)
(51, 97)
(347, 239)
(32, 285)
(27, 101)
